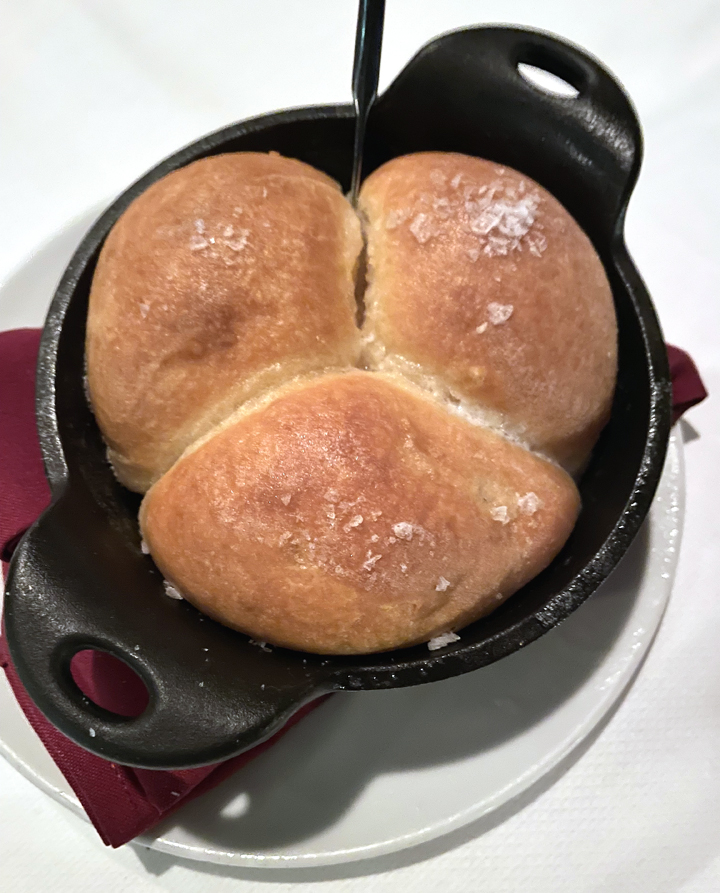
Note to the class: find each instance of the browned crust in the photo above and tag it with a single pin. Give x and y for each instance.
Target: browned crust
(284, 525)
(224, 278)
(454, 244)
(316, 506)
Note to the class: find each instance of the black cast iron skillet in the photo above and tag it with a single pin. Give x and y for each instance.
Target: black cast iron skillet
(79, 579)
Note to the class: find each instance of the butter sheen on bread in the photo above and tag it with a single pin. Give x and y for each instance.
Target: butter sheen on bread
(335, 488)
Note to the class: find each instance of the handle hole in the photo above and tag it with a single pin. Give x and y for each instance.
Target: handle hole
(547, 81)
(109, 682)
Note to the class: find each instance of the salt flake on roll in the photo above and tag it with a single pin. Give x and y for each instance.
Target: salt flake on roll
(215, 527)
(346, 479)
(226, 277)
(477, 249)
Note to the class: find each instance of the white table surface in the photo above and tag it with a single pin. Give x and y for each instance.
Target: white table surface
(93, 92)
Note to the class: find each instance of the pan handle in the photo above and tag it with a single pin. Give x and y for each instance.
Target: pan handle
(463, 92)
(212, 693)
(602, 108)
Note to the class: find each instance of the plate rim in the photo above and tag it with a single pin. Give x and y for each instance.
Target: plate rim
(673, 477)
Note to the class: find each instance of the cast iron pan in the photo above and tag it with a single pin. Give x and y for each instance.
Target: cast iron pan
(79, 580)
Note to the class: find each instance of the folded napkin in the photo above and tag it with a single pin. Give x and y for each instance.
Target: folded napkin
(122, 802)
(687, 387)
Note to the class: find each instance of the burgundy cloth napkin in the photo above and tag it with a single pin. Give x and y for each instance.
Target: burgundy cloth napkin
(122, 802)
(687, 387)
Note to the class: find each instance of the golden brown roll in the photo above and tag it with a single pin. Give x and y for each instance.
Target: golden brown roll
(225, 278)
(351, 513)
(483, 288)
(334, 509)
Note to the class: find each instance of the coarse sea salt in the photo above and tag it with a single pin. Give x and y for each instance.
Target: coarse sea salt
(500, 513)
(172, 592)
(197, 243)
(536, 243)
(371, 561)
(240, 242)
(395, 218)
(442, 585)
(403, 530)
(505, 223)
(500, 217)
(260, 644)
(483, 219)
(442, 640)
(144, 547)
(422, 228)
(499, 313)
(442, 207)
(529, 503)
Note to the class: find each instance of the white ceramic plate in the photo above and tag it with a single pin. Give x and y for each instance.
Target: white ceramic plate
(371, 773)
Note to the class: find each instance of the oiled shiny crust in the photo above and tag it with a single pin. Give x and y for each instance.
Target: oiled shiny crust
(226, 277)
(351, 513)
(480, 278)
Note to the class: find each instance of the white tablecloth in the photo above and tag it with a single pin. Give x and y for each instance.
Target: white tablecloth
(94, 92)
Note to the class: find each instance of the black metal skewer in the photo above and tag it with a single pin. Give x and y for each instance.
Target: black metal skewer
(366, 69)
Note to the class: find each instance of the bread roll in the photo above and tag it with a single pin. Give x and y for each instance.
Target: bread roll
(351, 513)
(225, 278)
(483, 288)
(337, 489)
